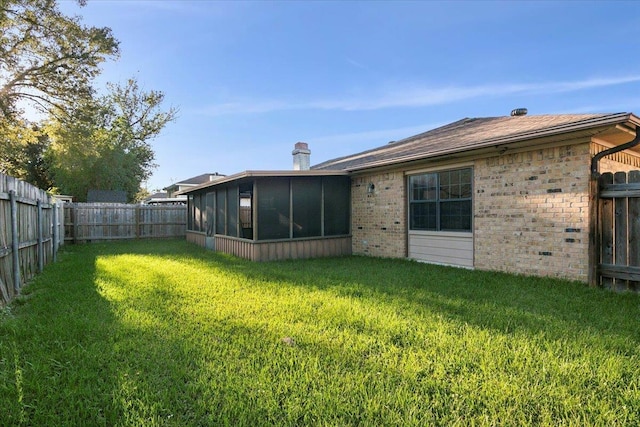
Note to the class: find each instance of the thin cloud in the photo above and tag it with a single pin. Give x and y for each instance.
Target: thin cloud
(589, 84)
(416, 96)
(357, 64)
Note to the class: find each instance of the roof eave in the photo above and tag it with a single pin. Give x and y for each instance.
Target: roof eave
(264, 174)
(501, 141)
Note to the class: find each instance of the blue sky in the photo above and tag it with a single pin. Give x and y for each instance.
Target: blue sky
(253, 78)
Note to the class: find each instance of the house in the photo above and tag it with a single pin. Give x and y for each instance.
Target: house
(162, 198)
(513, 193)
(155, 198)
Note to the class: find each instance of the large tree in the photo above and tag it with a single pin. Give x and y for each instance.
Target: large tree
(47, 60)
(106, 144)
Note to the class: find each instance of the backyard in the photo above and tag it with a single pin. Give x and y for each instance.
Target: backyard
(167, 333)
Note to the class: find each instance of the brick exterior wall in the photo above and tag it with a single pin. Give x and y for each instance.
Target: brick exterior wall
(379, 218)
(531, 212)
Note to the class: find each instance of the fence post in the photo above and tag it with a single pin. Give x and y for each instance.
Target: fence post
(62, 231)
(137, 215)
(594, 232)
(15, 240)
(74, 219)
(39, 226)
(55, 231)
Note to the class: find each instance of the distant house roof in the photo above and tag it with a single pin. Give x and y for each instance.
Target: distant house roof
(162, 198)
(158, 195)
(472, 134)
(193, 181)
(106, 196)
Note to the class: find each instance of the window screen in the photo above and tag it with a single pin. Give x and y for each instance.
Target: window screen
(232, 211)
(221, 211)
(197, 223)
(307, 207)
(273, 209)
(209, 213)
(191, 212)
(337, 205)
(246, 210)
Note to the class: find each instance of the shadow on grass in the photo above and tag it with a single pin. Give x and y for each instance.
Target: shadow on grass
(56, 352)
(116, 355)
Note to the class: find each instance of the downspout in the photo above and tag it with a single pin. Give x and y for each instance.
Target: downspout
(595, 169)
(594, 235)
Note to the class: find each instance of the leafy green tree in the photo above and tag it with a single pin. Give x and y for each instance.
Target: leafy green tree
(106, 144)
(23, 153)
(142, 194)
(47, 60)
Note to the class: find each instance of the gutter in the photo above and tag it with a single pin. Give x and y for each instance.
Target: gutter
(595, 160)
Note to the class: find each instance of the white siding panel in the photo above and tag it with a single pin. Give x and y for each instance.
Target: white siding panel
(442, 248)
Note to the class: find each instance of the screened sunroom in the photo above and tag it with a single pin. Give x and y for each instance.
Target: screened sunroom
(267, 215)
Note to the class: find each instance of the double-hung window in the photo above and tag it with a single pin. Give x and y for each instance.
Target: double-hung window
(441, 201)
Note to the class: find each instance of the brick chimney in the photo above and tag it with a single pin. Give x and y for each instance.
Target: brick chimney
(301, 157)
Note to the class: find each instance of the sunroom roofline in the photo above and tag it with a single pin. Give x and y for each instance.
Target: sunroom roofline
(264, 174)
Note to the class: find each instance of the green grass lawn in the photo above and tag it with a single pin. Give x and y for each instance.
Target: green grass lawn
(166, 333)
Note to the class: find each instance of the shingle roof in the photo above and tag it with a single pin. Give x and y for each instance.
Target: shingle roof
(193, 181)
(159, 195)
(200, 179)
(469, 134)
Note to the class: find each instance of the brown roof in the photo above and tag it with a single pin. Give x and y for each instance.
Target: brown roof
(471, 134)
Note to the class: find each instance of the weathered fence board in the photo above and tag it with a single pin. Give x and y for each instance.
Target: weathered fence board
(621, 229)
(86, 222)
(634, 229)
(28, 234)
(619, 210)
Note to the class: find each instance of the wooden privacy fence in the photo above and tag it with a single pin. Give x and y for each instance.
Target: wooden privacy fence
(30, 234)
(619, 231)
(86, 222)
